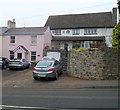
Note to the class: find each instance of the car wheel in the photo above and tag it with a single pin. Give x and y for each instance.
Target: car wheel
(35, 78)
(4, 66)
(10, 68)
(23, 68)
(56, 76)
(28, 66)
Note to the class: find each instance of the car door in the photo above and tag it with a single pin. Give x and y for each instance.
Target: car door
(57, 66)
(25, 63)
(7, 62)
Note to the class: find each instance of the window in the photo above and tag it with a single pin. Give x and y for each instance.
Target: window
(67, 31)
(90, 31)
(85, 44)
(57, 32)
(11, 54)
(33, 39)
(75, 31)
(12, 39)
(33, 55)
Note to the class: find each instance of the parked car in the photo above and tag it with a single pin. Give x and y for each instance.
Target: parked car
(18, 63)
(4, 62)
(47, 67)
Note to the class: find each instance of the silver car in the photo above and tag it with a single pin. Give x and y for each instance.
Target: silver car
(18, 63)
(49, 68)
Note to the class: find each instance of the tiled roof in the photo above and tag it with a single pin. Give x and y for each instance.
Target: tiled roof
(20, 46)
(26, 31)
(2, 30)
(89, 20)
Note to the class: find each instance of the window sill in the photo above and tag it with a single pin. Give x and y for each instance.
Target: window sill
(12, 44)
(33, 44)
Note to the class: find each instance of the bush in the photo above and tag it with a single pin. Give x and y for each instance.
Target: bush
(116, 36)
(79, 49)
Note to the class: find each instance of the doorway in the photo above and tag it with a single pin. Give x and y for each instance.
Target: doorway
(19, 55)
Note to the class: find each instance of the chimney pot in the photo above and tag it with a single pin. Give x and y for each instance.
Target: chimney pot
(11, 24)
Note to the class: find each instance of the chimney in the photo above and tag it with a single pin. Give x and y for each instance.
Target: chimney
(114, 15)
(11, 24)
(118, 2)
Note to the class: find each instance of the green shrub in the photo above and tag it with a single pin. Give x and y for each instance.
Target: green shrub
(79, 49)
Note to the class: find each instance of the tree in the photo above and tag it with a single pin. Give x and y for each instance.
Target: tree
(116, 36)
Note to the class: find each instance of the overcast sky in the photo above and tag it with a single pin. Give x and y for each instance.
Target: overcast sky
(36, 12)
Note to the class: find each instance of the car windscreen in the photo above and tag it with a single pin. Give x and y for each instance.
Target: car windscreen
(44, 63)
(15, 61)
(0, 59)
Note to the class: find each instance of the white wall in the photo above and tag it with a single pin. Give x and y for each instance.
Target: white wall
(100, 32)
(107, 32)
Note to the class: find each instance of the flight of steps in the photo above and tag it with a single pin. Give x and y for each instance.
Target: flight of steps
(64, 61)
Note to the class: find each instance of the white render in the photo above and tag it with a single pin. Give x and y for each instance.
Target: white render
(107, 32)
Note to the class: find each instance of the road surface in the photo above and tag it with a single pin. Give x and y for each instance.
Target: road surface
(61, 98)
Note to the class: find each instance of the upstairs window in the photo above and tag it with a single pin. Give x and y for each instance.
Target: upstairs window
(12, 39)
(75, 32)
(33, 39)
(90, 31)
(57, 32)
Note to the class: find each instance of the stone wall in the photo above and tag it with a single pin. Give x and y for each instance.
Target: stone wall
(94, 64)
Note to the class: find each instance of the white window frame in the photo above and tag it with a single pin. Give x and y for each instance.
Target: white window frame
(90, 31)
(33, 55)
(34, 39)
(11, 52)
(76, 32)
(57, 32)
(12, 39)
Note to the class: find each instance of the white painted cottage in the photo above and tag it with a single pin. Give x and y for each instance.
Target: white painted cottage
(88, 30)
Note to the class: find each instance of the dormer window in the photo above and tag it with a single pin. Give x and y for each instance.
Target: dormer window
(75, 32)
(57, 32)
(67, 31)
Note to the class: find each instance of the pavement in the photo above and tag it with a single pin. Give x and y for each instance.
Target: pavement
(100, 84)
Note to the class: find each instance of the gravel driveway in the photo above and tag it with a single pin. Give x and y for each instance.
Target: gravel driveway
(24, 79)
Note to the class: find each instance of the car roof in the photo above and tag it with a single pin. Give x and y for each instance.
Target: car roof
(15, 59)
(48, 58)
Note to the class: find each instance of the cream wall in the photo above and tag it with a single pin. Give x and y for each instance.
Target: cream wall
(0, 45)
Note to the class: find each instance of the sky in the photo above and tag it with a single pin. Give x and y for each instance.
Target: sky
(34, 13)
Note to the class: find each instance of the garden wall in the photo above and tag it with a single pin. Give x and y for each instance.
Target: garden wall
(96, 64)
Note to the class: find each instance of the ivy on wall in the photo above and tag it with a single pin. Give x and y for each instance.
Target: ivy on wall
(116, 36)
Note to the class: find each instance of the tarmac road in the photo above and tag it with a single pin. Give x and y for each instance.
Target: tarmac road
(21, 90)
(61, 98)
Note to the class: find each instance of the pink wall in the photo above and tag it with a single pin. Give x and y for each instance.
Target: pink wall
(25, 40)
(48, 37)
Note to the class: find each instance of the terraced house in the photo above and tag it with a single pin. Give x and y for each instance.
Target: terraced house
(2, 30)
(87, 30)
(27, 42)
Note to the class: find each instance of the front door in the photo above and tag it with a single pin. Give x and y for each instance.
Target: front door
(19, 55)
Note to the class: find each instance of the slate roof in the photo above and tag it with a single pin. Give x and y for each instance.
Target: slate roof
(26, 31)
(21, 46)
(2, 30)
(89, 20)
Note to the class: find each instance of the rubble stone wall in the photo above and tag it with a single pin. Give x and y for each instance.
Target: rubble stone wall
(94, 64)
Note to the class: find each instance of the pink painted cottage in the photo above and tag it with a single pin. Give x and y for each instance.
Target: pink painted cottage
(27, 43)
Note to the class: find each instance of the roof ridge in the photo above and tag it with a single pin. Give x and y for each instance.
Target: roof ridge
(81, 14)
(29, 27)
